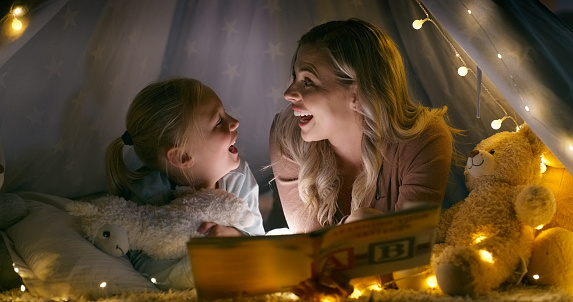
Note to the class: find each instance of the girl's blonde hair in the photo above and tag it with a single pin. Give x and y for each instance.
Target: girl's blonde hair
(158, 118)
(360, 53)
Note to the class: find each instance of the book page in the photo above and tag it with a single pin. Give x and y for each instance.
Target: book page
(379, 245)
(244, 266)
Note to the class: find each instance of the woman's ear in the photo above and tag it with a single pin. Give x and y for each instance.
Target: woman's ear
(179, 158)
(354, 103)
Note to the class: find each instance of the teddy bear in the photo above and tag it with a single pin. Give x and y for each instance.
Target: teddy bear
(116, 225)
(551, 261)
(486, 239)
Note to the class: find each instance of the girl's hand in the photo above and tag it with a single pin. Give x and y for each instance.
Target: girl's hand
(214, 230)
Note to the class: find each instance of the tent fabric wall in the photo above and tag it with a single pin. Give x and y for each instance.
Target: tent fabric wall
(66, 82)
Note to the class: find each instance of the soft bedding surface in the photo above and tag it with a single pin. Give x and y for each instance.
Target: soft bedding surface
(54, 260)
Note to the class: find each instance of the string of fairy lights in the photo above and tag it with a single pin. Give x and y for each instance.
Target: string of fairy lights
(463, 70)
(426, 278)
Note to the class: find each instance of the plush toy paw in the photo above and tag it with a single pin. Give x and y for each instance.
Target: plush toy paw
(535, 206)
(551, 261)
(12, 209)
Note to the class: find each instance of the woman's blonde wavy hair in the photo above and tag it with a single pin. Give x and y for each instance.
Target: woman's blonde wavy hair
(158, 118)
(362, 54)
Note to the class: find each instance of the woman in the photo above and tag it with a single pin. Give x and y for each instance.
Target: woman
(352, 139)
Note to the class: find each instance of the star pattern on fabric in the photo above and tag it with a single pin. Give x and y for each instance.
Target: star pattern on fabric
(272, 6)
(231, 71)
(190, 48)
(2, 77)
(54, 67)
(132, 37)
(98, 53)
(277, 95)
(35, 117)
(229, 28)
(274, 50)
(59, 145)
(69, 17)
(357, 3)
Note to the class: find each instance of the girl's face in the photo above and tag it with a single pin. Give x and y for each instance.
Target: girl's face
(327, 108)
(212, 146)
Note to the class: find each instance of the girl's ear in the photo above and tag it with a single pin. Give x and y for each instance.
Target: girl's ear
(179, 158)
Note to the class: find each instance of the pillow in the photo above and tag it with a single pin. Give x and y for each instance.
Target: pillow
(55, 261)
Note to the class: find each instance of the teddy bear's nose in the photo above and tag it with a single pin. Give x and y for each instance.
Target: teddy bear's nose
(474, 153)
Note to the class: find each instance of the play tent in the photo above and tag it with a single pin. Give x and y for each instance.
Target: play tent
(69, 73)
(67, 77)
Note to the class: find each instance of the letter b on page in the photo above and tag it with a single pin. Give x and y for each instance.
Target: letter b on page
(391, 250)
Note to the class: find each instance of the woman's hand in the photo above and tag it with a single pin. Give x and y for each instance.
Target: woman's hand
(329, 285)
(215, 230)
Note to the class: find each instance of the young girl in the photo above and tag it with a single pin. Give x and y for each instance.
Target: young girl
(181, 133)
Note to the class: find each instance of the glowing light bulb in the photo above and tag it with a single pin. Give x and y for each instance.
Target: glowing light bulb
(543, 168)
(16, 24)
(496, 124)
(571, 148)
(17, 11)
(536, 277)
(418, 23)
(103, 284)
(539, 227)
(153, 280)
(527, 108)
(469, 12)
(432, 282)
(463, 71)
(355, 294)
(499, 55)
(486, 256)
(16, 270)
(480, 239)
(22, 288)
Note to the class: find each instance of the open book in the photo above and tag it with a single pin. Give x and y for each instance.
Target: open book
(244, 266)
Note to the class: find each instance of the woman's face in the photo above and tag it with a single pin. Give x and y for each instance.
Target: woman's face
(326, 107)
(212, 146)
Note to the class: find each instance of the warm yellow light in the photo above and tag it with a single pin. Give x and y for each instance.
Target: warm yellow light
(16, 270)
(480, 239)
(17, 11)
(463, 71)
(496, 124)
(103, 284)
(22, 288)
(539, 227)
(432, 282)
(486, 256)
(499, 55)
(527, 108)
(535, 277)
(418, 23)
(153, 280)
(16, 24)
(355, 294)
(571, 148)
(375, 287)
(543, 168)
(329, 299)
(469, 12)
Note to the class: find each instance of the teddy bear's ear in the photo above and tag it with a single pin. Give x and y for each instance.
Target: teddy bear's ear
(537, 146)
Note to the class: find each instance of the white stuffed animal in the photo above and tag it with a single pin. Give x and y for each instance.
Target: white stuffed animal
(116, 225)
